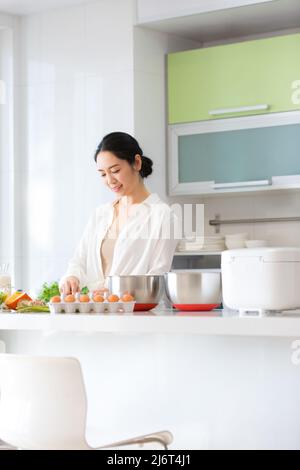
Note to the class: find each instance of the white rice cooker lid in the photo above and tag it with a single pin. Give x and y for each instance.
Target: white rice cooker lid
(264, 254)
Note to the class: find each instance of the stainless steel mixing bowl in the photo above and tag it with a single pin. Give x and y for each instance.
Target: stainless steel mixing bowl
(145, 289)
(199, 287)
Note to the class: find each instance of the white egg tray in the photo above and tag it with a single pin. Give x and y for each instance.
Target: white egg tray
(91, 307)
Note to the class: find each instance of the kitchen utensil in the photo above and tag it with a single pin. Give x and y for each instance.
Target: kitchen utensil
(235, 240)
(194, 289)
(261, 279)
(147, 290)
(5, 279)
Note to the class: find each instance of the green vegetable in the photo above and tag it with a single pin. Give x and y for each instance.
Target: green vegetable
(2, 297)
(34, 308)
(48, 291)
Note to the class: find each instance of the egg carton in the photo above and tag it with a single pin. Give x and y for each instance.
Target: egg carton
(91, 307)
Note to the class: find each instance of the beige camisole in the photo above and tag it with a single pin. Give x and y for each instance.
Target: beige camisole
(111, 236)
(108, 245)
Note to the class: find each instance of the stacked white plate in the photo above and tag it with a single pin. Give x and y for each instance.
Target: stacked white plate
(214, 243)
(209, 243)
(236, 240)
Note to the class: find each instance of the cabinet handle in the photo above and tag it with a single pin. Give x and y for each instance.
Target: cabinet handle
(258, 107)
(241, 184)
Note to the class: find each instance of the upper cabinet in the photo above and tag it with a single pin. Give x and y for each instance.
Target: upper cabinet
(253, 77)
(237, 155)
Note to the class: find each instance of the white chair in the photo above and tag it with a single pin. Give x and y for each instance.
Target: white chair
(43, 405)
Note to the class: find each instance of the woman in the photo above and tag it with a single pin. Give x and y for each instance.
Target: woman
(136, 234)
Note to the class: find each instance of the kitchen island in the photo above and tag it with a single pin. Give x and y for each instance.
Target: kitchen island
(214, 379)
(166, 321)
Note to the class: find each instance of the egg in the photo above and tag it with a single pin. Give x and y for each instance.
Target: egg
(84, 298)
(70, 298)
(113, 298)
(127, 298)
(55, 300)
(98, 298)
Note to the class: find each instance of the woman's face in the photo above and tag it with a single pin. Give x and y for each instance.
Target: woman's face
(118, 174)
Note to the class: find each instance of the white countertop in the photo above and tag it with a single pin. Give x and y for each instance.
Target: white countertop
(217, 322)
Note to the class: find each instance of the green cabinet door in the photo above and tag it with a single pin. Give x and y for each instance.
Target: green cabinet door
(246, 74)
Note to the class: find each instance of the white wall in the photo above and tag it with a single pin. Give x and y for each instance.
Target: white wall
(75, 85)
(162, 9)
(6, 155)
(9, 175)
(7, 21)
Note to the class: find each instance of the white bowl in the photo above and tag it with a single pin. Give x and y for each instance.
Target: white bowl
(236, 236)
(255, 243)
(236, 240)
(235, 244)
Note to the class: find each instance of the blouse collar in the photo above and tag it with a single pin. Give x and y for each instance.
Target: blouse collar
(151, 199)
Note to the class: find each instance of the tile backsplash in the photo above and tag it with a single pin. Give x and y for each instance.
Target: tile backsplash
(277, 205)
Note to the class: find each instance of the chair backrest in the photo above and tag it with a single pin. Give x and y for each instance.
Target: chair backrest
(43, 402)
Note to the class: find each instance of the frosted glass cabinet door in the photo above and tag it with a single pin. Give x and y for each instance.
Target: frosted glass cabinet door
(263, 72)
(240, 155)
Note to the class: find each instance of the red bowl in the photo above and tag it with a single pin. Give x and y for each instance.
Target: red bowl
(195, 307)
(143, 307)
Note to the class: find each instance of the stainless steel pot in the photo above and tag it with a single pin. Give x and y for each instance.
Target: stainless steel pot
(201, 287)
(145, 289)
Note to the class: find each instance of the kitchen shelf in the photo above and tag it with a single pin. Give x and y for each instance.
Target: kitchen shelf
(218, 323)
(198, 253)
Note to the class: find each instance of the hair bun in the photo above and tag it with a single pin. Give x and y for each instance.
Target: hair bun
(146, 169)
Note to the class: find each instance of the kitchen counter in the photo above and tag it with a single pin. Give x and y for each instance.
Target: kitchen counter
(214, 379)
(218, 322)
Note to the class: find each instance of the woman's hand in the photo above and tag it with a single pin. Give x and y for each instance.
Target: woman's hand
(71, 285)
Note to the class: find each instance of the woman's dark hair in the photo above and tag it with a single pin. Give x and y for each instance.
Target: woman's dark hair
(125, 147)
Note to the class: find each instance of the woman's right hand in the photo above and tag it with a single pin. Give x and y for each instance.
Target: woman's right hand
(71, 285)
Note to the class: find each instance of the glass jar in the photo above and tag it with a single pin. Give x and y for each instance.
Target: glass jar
(5, 282)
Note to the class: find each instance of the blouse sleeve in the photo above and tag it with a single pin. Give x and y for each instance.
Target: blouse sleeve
(78, 264)
(165, 246)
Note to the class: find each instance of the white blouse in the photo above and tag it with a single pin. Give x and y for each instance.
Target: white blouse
(145, 245)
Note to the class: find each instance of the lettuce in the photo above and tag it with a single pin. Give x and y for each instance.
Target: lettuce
(48, 291)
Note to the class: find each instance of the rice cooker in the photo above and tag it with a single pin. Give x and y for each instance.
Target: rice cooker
(261, 279)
